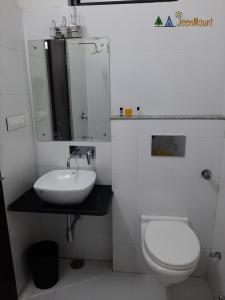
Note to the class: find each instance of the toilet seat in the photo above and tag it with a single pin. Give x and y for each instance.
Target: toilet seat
(171, 244)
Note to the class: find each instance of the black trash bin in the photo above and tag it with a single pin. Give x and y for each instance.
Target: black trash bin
(44, 261)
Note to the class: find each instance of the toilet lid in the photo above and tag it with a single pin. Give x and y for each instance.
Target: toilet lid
(172, 244)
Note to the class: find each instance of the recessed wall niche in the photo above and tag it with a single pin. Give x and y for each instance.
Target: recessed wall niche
(168, 145)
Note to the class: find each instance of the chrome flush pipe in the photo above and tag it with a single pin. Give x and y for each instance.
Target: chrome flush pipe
(70, 226)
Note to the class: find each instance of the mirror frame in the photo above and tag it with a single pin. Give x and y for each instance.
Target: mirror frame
(106, 2)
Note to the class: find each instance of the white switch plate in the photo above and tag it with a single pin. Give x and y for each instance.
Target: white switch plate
(16, 122)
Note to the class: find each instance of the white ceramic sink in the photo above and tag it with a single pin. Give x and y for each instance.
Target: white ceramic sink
(65, 186)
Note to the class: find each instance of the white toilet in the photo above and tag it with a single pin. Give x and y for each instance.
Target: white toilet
(170, 247)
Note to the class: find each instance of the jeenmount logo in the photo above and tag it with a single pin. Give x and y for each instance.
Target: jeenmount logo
(183, 22)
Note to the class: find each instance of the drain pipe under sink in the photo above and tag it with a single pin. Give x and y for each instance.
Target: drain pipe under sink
(70, 226)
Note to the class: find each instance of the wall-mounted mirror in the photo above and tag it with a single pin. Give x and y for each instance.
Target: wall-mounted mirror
(71, 88)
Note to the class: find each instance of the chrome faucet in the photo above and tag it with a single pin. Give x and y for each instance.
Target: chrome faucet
(89, 156)
(81, 151)
(69, 159)
(74, 153)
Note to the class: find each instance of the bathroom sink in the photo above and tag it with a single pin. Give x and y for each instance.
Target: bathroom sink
(65, 186)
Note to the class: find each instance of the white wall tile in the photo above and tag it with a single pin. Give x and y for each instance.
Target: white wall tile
(136, 76)
(97, 246)
(125, 192)
(190, 128)
(11, 38)
(123, 257)
(193, 62)
(121, 128)
(41, 3)
(104, 176)
(206, 103)
(37, 22)
(124, 62)
(140, 264)
(124, 153)
(13, 76)
(95, 224)
(51, 154)
(222, 175)
(45, 169)
(202, 267)
(124, 226)
(158, 195)
(124, 147)
(218, 241)
(17, 153)
(103, 155)
(216, 275)
(198, 156)
(14, 104)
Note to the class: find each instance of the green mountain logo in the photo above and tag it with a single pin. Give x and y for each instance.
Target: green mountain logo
(158, 22)
(169, 22)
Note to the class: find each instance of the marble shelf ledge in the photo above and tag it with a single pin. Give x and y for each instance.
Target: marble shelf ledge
(170, 117)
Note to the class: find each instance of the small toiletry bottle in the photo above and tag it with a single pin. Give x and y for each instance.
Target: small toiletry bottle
(128, 112)
(121, 111)
(138, 111)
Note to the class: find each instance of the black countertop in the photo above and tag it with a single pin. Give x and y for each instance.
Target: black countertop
(96, 204)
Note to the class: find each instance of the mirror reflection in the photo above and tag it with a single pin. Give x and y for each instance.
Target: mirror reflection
(71, 88)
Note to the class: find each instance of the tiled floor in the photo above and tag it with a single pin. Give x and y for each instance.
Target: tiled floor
(191, 289)
(96, 281)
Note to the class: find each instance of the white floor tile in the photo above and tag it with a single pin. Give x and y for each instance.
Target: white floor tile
(147, 287)
(115, 286)
(46, 297)
(69, 278)
(191, 289)
(96, 281)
